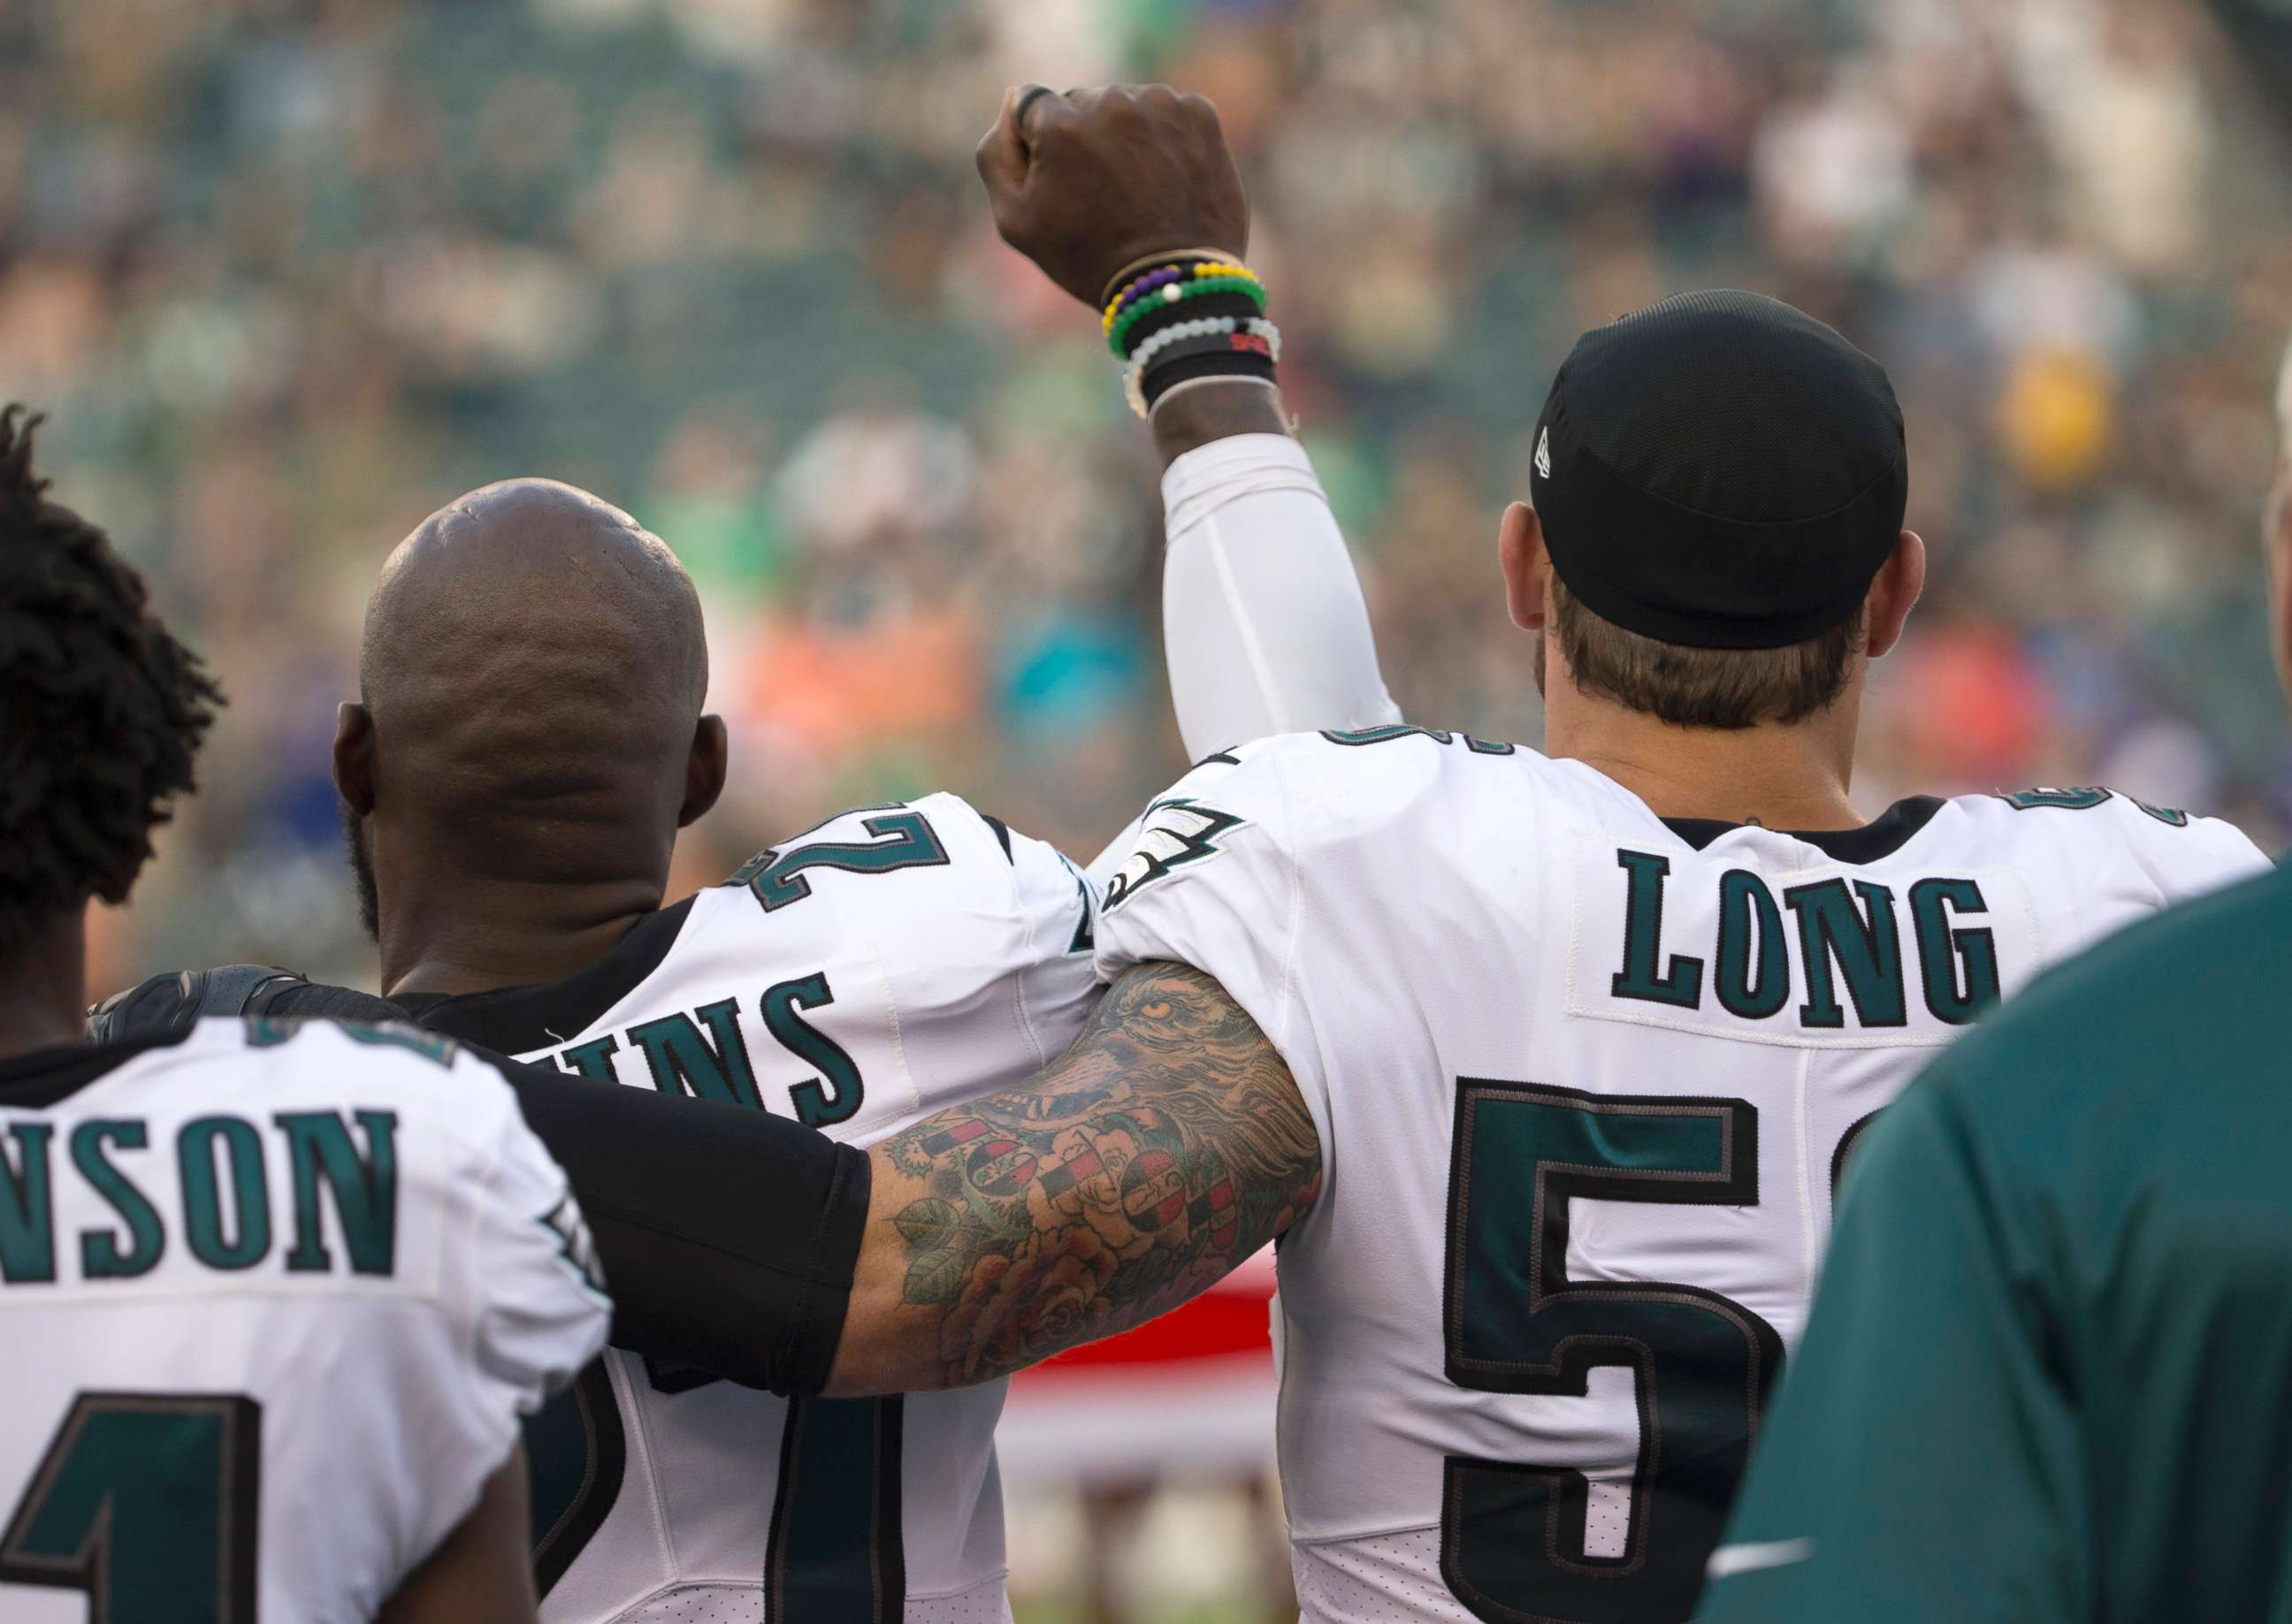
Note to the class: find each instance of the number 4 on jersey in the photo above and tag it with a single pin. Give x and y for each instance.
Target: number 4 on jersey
(148, 1504)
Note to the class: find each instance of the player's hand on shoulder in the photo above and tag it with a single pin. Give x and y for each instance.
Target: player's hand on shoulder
(165, 1006)
(1087, 182)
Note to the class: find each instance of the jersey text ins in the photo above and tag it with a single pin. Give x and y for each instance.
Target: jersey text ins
(704, 1052)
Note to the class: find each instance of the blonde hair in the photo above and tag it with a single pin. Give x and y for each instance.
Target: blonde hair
(1727, 688)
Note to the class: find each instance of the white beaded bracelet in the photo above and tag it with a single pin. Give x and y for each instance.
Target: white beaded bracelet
(1134, 375)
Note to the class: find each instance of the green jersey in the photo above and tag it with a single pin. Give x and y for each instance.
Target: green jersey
(2048, 1375)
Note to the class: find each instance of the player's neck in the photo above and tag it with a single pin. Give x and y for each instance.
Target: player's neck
(1793, 777)
(43, 988)
(476, 935)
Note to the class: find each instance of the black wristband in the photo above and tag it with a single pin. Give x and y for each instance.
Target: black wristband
(1207, 344)
(1160, 380)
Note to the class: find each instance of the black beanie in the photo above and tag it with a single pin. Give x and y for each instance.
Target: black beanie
(1719, 471)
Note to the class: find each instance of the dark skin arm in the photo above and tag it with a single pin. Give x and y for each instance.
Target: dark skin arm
(1095, 181)
(1170, 1143)
(1166, 1146)
(1190, 421)
(483, 1569)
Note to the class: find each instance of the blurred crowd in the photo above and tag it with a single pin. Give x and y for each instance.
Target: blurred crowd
(289, 273)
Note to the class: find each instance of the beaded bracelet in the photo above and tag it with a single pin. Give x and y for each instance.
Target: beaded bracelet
(1159, 317)
(1175, 292)
(1255, 326)
(1224, 336)
(1158, 284)
(1136, 291)
(1146, 285)
(1140, 266)
(1185, 337)
(1164, 298)
(1143, 355)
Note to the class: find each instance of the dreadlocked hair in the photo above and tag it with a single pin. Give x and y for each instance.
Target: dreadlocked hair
(101, 709)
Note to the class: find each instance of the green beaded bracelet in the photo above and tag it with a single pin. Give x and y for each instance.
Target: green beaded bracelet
(1175, 294)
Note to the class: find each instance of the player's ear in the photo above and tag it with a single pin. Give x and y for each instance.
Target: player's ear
(1901, 582)
(1520, 550)
(354, 756)
(704, 767)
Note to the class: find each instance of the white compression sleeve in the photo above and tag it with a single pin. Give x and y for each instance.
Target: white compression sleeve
(1263, 617)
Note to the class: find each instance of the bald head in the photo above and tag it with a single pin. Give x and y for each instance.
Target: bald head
(545, 584)
(532, 673)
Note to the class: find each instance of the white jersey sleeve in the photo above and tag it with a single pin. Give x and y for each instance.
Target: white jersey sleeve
(1209, 880)
(1013, 935)
(540, 1315)
(326, 1269)
(524, 1305)
(1056, 907)
(1264, 622)
(2181, 856)
(948, 947)
(1264, 625)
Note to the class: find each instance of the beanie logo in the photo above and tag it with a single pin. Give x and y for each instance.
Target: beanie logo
(1543, 454)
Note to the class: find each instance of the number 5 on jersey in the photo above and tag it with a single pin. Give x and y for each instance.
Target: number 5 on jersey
(1515, 1537)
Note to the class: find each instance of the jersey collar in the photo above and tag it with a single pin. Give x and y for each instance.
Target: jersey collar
(550, 1014)
(43, 1078)
(1880, 839)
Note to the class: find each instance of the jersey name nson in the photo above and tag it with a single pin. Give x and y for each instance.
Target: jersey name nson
(273, 1299)
(1583, 1081)
(890, 963)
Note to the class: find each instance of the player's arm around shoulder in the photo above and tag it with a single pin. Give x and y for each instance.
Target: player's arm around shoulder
(1166, 1146)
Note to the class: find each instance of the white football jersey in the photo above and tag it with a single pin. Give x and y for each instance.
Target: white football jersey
(1584, 1081)
(885, 966)
(272, 1301)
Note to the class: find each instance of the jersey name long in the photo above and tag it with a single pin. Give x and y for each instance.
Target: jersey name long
(888, 964)
(1583, 1081)
(272, 1301)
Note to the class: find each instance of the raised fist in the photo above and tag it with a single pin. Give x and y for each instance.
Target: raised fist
(1087, 183)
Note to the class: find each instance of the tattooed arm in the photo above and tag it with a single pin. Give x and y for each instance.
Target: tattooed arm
(1165, 1147)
